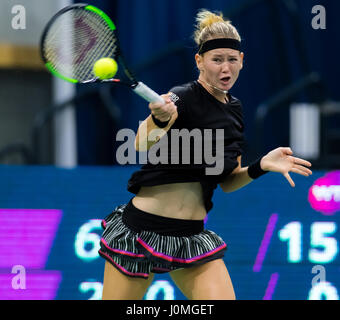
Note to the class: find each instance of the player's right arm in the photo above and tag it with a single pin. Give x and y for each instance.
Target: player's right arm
(148, 132)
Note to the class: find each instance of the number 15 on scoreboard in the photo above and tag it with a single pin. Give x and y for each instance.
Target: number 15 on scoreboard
(323, 246)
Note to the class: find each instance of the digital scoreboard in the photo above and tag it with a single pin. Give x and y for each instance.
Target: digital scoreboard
(283, 242)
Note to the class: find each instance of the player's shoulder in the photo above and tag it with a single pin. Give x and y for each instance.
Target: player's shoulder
(185, 87)
(183, 96)
(183, 91)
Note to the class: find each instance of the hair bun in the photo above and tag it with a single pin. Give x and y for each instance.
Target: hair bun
(210, 25)
(207, 18)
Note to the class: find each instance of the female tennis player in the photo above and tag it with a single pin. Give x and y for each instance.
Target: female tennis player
(162, 229)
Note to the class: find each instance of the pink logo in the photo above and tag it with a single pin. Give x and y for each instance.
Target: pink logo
(324, 195)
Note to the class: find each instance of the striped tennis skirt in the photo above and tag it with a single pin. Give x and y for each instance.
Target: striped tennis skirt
(137, 243)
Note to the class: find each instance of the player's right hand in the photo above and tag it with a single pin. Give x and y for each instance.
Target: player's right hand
(163, 112)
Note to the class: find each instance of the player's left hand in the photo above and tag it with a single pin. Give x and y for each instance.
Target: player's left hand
(281, 160)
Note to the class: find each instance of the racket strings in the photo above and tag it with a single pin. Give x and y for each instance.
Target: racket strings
(75, 41)
(106, 47)
(102, 35)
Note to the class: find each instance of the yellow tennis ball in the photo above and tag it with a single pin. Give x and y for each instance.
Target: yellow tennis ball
(105, 68)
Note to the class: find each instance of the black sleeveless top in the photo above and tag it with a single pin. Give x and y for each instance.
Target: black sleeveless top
(202, 145)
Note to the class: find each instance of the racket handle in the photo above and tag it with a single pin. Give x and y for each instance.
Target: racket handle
(148, 94)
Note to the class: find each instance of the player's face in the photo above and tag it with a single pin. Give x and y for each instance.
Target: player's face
(221, 67)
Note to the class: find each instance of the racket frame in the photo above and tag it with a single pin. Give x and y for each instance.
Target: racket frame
(138, 87)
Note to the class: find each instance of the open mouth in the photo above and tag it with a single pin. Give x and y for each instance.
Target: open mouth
(225, 79)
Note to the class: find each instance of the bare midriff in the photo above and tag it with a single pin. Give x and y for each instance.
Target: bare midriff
(176, 200)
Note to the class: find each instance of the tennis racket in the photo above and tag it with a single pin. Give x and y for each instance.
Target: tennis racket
(78, 36)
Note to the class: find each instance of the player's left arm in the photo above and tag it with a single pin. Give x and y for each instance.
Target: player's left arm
(237, 179)
(280, 160)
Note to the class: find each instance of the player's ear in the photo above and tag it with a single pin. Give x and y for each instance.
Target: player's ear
(199, 61)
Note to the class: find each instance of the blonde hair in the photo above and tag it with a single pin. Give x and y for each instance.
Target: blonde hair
(212, 25)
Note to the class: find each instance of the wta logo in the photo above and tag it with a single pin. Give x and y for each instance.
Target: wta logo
(324, 195)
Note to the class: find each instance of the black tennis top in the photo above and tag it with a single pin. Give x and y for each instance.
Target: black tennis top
(202, 145)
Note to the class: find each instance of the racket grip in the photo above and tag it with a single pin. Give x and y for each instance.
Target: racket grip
(148, 94)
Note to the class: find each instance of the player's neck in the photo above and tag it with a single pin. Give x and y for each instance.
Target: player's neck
(218, 94)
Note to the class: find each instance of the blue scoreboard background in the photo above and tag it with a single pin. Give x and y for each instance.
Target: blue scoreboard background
(283, 242)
